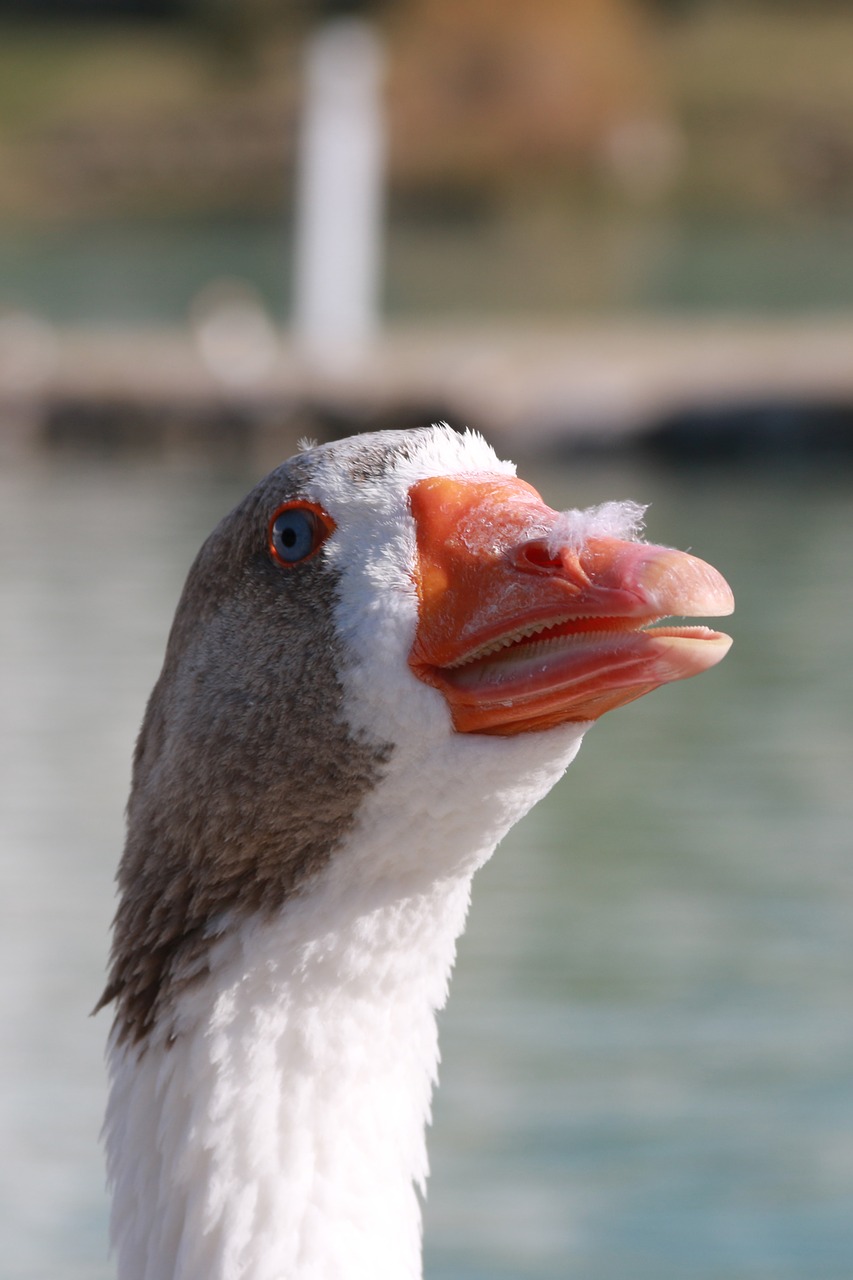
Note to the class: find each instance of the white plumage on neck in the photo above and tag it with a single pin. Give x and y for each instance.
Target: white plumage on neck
(281, 1134)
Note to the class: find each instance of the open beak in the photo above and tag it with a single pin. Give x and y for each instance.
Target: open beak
(522, 632)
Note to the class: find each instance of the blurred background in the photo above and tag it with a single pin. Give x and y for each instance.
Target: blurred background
(617, 237)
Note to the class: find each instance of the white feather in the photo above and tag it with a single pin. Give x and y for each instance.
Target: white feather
(574, 527)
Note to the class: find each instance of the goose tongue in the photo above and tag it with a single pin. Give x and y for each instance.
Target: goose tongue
(521, 628)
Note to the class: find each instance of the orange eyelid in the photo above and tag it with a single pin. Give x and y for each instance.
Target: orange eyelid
(326, 527)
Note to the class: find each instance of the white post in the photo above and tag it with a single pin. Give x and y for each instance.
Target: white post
(339, 200)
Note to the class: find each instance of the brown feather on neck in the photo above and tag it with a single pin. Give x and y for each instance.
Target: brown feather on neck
(246, 775)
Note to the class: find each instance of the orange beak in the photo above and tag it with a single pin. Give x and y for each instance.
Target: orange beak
(521, 634)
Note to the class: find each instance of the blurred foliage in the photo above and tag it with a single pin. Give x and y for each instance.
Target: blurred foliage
(481, 99)
(695, 105)
(215, 14)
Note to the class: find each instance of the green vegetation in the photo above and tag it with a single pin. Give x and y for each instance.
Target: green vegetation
(765, 99)
(141, 118)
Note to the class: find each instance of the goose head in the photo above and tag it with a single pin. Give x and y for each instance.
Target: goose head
(381, 659)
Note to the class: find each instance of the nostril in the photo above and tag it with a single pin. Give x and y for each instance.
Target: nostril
(537, 556)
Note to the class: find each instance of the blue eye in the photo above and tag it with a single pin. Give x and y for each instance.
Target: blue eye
(296, 531)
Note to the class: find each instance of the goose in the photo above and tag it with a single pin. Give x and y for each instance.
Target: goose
(382, 658)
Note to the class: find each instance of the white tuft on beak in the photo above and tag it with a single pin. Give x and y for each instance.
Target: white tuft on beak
(608, 520)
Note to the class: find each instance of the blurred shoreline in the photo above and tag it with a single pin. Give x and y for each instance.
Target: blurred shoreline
(709, 385)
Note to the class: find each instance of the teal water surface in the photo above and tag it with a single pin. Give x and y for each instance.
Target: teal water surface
(149, 271)
(648, 1051)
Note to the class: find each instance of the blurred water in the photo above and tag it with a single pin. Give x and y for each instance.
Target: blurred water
(149, 271)
(648, 1052)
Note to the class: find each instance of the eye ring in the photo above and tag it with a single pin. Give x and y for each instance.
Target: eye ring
(296, 531)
